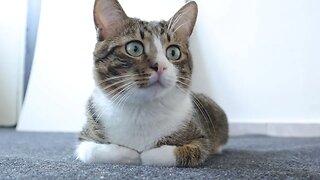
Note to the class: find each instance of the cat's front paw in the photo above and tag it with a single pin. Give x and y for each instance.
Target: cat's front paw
(162, 156)
(111, 153)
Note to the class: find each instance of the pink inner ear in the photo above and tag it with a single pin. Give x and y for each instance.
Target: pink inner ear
(108, 15)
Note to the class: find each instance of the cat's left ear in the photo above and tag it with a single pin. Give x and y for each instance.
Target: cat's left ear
(184, 20)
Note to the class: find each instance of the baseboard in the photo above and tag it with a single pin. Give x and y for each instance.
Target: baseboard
(276, 129)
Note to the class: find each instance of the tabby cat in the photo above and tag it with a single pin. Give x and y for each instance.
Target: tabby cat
(142, 110)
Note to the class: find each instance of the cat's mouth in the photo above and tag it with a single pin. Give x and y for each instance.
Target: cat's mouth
(156, 83)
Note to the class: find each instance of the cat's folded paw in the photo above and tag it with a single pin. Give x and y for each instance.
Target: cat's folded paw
(111, 153)
(162, 156)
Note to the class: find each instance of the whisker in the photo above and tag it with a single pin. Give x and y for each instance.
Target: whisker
(118, 88)
(202, 110)
(100, 112)
(118, 94)
(183, 90)
(142, 79)
(180, 77)
(116, 77)
(92, 108)
(207, 118)
(187, 85)
(123, 88)
(118, 82)
(126, 96)
(102, 109)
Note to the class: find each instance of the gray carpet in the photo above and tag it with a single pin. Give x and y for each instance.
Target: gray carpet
(50, 156)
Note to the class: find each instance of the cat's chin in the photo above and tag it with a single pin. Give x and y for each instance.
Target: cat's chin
(156, 84)
(153, 92)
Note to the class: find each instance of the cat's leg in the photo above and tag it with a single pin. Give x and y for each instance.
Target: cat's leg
(88, 151)
(188, 155)
(193, 154)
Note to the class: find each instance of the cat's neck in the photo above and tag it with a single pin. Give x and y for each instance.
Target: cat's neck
(174, 103)
(172, 98)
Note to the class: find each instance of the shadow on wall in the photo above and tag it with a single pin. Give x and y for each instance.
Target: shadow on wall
(31, 37)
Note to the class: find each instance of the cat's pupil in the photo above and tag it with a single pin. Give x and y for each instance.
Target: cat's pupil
(135, 49)
(173, 53)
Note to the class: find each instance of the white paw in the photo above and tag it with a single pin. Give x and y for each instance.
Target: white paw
(92, 152)
(162, 156)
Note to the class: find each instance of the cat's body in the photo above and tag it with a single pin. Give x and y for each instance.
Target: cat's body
(142, 111)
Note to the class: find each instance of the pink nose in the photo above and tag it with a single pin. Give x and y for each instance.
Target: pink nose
(158, 67)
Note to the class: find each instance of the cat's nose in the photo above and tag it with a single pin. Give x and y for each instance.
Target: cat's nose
(154, 66)
(158, 67)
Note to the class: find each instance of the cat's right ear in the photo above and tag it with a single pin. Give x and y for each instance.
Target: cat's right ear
(108, 15)
(184, 20)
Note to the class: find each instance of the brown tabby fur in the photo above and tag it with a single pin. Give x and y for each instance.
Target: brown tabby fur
(206, 128)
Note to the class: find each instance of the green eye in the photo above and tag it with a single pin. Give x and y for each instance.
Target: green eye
(134, 48)
(173, 52)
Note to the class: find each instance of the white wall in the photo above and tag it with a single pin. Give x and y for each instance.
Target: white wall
(12, 44)
(61, 79)
(257, 59)
(260, 59)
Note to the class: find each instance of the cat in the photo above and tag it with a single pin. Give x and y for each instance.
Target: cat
(142, 110)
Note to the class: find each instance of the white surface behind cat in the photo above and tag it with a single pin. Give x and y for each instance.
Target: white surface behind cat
(61, 77)
(258, 59)
(261, 64)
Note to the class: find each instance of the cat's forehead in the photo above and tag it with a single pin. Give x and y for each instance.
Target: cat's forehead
(158, 27)
(151, 27)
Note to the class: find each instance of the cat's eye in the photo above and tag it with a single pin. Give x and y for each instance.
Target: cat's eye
(173, 52)
(134, 48)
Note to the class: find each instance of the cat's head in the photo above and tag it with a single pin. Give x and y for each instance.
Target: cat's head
(143, 59)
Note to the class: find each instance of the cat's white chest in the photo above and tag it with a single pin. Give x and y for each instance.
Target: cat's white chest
(140, 127)
(126, 131)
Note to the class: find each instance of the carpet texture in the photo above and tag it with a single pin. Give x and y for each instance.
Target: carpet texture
(25, 155)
